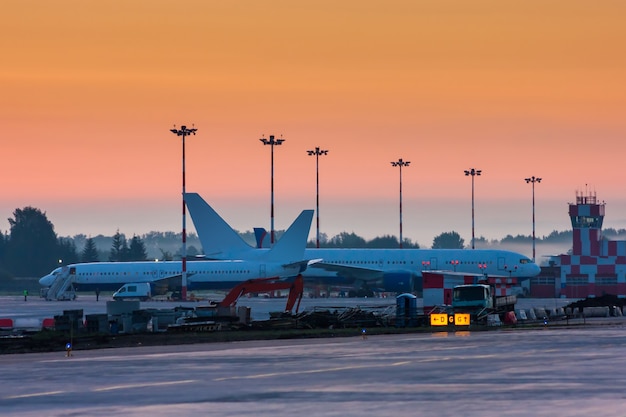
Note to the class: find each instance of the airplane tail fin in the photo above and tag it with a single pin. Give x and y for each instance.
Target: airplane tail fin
(218, 239)
(290, 247)
(261, 236)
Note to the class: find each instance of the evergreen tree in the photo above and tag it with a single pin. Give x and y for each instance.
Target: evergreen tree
(32, 249)
(90, 252)
(3, 246)
(137, 250)
(67, 251)
(125, 253)
(117, 248)
(4, 273)
(448, 240)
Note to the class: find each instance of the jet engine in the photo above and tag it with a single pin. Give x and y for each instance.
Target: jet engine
(398, 282)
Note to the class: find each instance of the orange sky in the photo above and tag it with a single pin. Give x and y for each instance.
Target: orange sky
(91, 89)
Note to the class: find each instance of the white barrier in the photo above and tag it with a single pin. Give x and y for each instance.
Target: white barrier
(521, 315)
(596, 311)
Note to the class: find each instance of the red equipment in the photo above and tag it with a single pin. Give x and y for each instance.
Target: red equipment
(296, 289)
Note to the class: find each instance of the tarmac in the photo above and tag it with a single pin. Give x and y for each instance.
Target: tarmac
(551, 371)
(546, 372)
(37, 308)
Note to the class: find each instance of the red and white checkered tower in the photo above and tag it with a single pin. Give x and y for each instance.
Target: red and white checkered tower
(587, 216)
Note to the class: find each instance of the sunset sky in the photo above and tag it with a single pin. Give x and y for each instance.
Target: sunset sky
(514, 88)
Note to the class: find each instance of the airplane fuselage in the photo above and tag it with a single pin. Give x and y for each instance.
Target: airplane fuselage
(401, 269)
(110, 276)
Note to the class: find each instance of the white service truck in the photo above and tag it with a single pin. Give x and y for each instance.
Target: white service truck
(133, 291)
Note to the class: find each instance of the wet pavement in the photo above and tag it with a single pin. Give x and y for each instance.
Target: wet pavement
(574, 371)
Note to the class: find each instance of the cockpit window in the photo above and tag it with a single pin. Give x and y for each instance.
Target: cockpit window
(524, 261)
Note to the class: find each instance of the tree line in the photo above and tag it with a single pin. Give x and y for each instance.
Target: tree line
(31, 248)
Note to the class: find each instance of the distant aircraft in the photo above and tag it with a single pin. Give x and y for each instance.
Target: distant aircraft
(284, 260)
(390, 270)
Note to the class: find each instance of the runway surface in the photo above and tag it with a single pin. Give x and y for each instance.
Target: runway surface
(547, 372)
(575, 371)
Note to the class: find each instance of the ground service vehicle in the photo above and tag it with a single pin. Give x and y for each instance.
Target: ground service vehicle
(135, 291)
(479, 300)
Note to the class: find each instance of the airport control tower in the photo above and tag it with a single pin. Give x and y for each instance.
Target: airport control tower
(587, 215)
(595, 267)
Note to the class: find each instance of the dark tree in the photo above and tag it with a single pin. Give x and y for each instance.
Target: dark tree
(67, 251)
(90, 252)
(384, 242)
(4, 273)
(559, 237)
(448, 240)
(166, 255)
(137, 250)
(32, 249)
(118, 248)
(3, 246)
(192, 251)
(516, 239)
(347, 240)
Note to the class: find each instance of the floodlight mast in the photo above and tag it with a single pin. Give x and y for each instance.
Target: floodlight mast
(533, 180)
(473, 172)
(317, 152)
(400, 163)
(184, 132)
(272, 142)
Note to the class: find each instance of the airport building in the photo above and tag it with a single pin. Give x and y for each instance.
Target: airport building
(595, 266)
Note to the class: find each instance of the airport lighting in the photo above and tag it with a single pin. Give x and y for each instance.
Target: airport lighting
(317, 152)
(472, 172)
(533, 180)
(184, 131)
(400, 163)
(455, 263)
(272, 141)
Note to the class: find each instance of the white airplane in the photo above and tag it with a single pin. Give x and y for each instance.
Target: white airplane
(284, 260)
(392, 270)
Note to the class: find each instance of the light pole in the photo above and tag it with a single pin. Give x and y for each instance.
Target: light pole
(317, 152)
(184, 132)
(271, 141)
(473, 172)
(533, 180)
(400, 163)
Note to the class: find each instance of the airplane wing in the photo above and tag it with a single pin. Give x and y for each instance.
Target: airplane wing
(169, 282)
(304, 264)
(353, 272)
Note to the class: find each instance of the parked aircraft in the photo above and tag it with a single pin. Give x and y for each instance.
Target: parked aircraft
(392, 270)
(284, 260)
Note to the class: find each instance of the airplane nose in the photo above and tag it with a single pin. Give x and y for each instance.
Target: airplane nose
(535, 270)
(45, 281)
